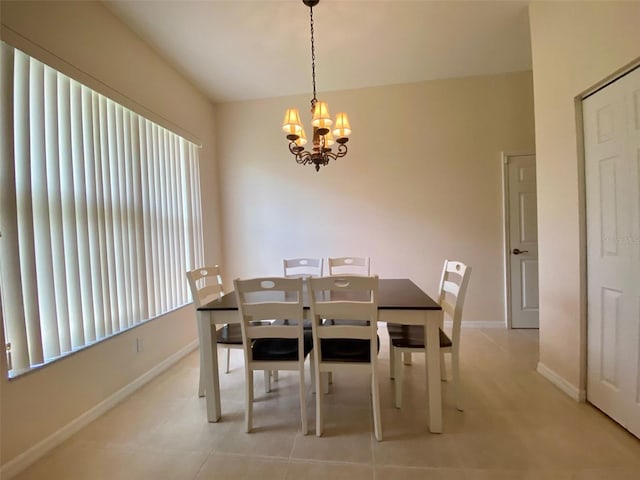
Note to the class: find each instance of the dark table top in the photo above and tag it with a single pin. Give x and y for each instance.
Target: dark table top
(393, 294)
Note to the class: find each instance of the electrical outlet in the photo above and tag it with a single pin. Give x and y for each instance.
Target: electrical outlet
(139, 345)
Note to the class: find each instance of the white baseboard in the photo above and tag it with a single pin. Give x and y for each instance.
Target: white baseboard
(579, 395)
(25, 459)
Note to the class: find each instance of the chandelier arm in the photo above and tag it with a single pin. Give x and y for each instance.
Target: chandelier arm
(331, 156)
(302, 156)
(342, 150)
(293, 147)
(302, 160)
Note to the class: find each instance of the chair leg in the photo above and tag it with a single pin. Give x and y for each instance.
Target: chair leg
(457, 387)
(267, 381)
(303, 403)
(319, 396)
(375, 396)
(443, 367)
(324, 377)
(274, 374)
(398, 377)
(248, 413)
(324, 381)
(228, 358)
(312, 372)
(201, 381)
(392, 362)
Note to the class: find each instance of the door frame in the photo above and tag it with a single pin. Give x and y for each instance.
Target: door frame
(506, 223)
(583, 386)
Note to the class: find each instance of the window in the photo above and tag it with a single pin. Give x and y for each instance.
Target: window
(99, 214)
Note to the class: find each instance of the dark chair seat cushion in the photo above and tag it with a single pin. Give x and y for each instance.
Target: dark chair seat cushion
(412, 336)
(280, 349)
(346, 350)
(230, 334)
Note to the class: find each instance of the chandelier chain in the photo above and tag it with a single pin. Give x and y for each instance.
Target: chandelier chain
(313, 59)
(322, 150)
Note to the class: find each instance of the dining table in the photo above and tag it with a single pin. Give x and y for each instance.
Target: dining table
(400, 300)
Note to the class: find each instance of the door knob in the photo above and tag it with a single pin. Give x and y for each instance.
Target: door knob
(518, 252)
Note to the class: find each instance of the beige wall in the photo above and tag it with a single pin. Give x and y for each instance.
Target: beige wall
(97, 46)
(421, 182)
(575, 45)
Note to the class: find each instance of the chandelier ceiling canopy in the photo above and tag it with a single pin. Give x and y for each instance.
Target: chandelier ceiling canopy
(322, 140)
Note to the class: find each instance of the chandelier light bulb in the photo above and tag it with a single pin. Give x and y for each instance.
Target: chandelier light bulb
(321, 117)
(328, 140)
(302, 140)
(291, 124)
(342, 128)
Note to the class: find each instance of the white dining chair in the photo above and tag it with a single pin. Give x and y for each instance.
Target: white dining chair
(302, 267)
(206, 285)
(408, 339)
(299, 268)
(349, 265)
(345, 346)
(281, 345)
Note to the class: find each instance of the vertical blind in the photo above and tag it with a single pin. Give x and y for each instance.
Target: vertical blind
(99, 214)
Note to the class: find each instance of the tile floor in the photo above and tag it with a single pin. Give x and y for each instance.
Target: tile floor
(516, 426)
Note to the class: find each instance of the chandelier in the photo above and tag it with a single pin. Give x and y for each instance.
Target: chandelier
(323, 140)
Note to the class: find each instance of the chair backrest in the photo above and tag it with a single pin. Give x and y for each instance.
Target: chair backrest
(270, 298)
(344, 297)
(453, 289)
(302, 267)
(205, 284)
(349, 266)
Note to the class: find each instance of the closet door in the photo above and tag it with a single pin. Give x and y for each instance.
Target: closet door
(612, 171)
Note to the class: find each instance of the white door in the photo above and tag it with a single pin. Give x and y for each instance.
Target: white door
(612, 173)
(522, 240)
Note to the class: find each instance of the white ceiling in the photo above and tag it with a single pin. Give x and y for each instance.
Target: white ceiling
(242, 49)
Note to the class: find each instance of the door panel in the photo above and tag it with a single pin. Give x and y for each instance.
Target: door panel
(611, 120)
(530, 281)
(522, 241)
